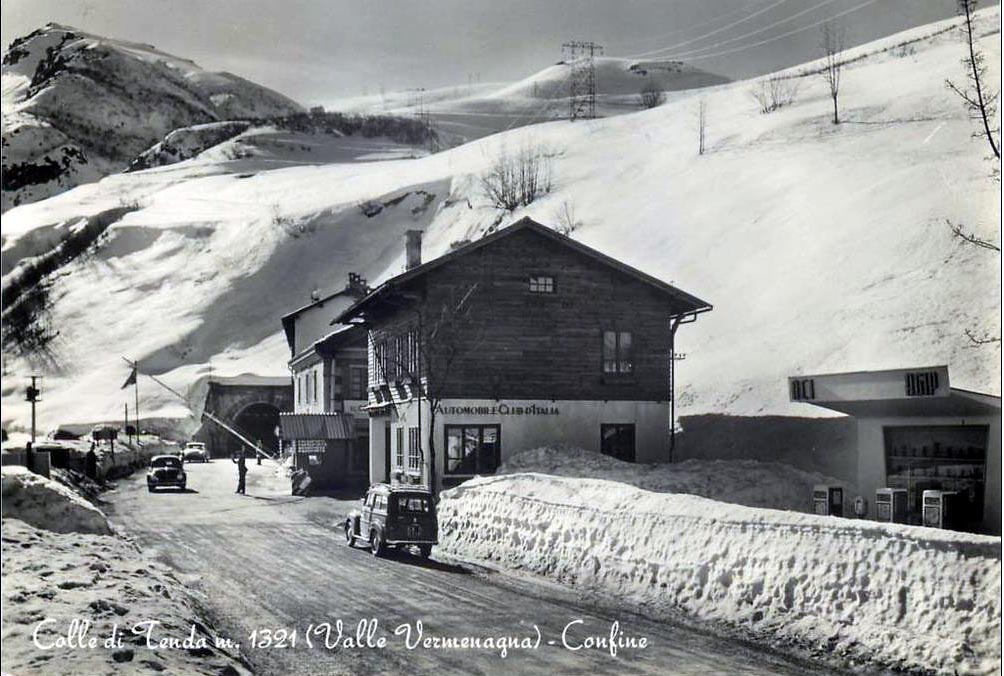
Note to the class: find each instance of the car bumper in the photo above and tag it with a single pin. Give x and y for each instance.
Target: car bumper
(412, 542)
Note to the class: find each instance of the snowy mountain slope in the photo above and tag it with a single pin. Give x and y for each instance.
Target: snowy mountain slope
(487, 109)
(822, 247)
(78, 106)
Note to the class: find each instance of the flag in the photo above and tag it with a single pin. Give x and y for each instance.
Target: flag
(131, 380)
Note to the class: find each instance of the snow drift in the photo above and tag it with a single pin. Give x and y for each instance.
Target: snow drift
(744, 482)
(44, 503)
(54, 579)
(897, 596)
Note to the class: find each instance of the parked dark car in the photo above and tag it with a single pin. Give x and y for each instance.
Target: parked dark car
(394, 516)
(165, 471)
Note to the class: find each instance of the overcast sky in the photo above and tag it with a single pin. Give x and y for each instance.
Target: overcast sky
(320, 50)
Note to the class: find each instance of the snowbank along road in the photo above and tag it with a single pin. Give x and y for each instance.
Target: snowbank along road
(270, 561)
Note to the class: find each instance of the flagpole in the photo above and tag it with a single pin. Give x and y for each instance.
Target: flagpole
(135, 412)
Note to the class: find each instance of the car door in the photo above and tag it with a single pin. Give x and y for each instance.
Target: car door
(366, 514)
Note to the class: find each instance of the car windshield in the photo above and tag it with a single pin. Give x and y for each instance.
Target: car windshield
(192, 446)
(165, 462)
(413, 504)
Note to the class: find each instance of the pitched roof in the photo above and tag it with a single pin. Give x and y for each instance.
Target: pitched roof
(692, 304)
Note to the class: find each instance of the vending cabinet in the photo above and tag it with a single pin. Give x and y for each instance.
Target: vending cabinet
(941, 509)
(890, 504)
(828, 500)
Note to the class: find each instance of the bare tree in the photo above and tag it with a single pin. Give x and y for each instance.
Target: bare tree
(980, 100)
(969, 237)
(565, 215)
(651, 96)
(702, 125)
(774, 93)
(832, 45)
(426, 352)
(517, 180)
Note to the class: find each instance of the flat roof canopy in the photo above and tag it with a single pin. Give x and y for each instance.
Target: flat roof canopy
(907, 393)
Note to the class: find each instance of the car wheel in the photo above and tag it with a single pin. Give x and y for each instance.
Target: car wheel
(350, 539)
(182, 487)
(149, 488)
(425, 551)
(377, 546)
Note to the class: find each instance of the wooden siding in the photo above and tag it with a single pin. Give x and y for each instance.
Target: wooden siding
(541, 346)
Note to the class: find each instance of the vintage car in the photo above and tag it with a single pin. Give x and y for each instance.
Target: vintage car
(394, 516)
(195, 451)
(165, 470)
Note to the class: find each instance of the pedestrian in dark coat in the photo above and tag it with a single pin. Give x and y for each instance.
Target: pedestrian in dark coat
(242, 470)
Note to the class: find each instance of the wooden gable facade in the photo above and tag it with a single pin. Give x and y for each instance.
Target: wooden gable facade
(546, 318)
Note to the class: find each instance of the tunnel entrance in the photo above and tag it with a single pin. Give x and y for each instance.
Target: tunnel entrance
(257, 422)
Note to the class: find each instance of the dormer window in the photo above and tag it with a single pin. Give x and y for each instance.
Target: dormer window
(541, 284)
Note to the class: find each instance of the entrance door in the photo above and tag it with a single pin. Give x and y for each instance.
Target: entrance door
(386, 451)
(617, 440)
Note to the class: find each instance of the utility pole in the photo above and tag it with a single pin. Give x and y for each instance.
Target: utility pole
(33, 396)
(422, 115)
(134, 377)
(579, 55)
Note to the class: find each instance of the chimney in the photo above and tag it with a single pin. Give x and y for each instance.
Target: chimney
(357, 285)
(413, 249)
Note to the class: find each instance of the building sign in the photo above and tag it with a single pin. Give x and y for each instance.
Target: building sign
(922, 384)
(501, 408)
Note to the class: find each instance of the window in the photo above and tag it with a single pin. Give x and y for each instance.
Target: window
(313, 377)
(399, 450)
(617, 347)
(382, 362)
(412, 504)
(299, 390)
(357, 382)
(414, 450)
(472, 449)
(541, 284)
(411, 357)
(617, 440)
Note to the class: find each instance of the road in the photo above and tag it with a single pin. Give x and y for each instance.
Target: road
(271, 561)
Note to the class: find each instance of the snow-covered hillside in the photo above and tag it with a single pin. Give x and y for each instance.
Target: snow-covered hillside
(473, 112)
(78, 106)
(822, 247)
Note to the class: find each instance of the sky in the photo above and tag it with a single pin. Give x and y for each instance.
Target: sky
(317, 51)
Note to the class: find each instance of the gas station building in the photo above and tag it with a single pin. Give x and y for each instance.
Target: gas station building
(916, 432)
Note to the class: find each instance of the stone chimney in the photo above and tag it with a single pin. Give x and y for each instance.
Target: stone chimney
(357, 285)
(413, 249)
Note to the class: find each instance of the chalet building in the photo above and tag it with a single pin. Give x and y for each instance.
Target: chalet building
(521, 339)
(328, 432)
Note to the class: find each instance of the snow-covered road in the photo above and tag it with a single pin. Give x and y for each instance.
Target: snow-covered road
(269, 561)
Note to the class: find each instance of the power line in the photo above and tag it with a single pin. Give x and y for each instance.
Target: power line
(714, 32)
(691, 27)
(786, 34)
(692, 52)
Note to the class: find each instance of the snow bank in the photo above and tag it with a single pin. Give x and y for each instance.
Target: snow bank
(47, 504)
(744, 482)
(897, 596)
(104, 581)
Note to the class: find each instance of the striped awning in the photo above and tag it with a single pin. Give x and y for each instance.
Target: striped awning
(316, 426)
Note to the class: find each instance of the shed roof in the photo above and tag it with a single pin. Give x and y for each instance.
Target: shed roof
(293, 426)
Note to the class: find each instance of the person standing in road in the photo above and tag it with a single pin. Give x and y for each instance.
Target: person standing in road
(242, 470)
